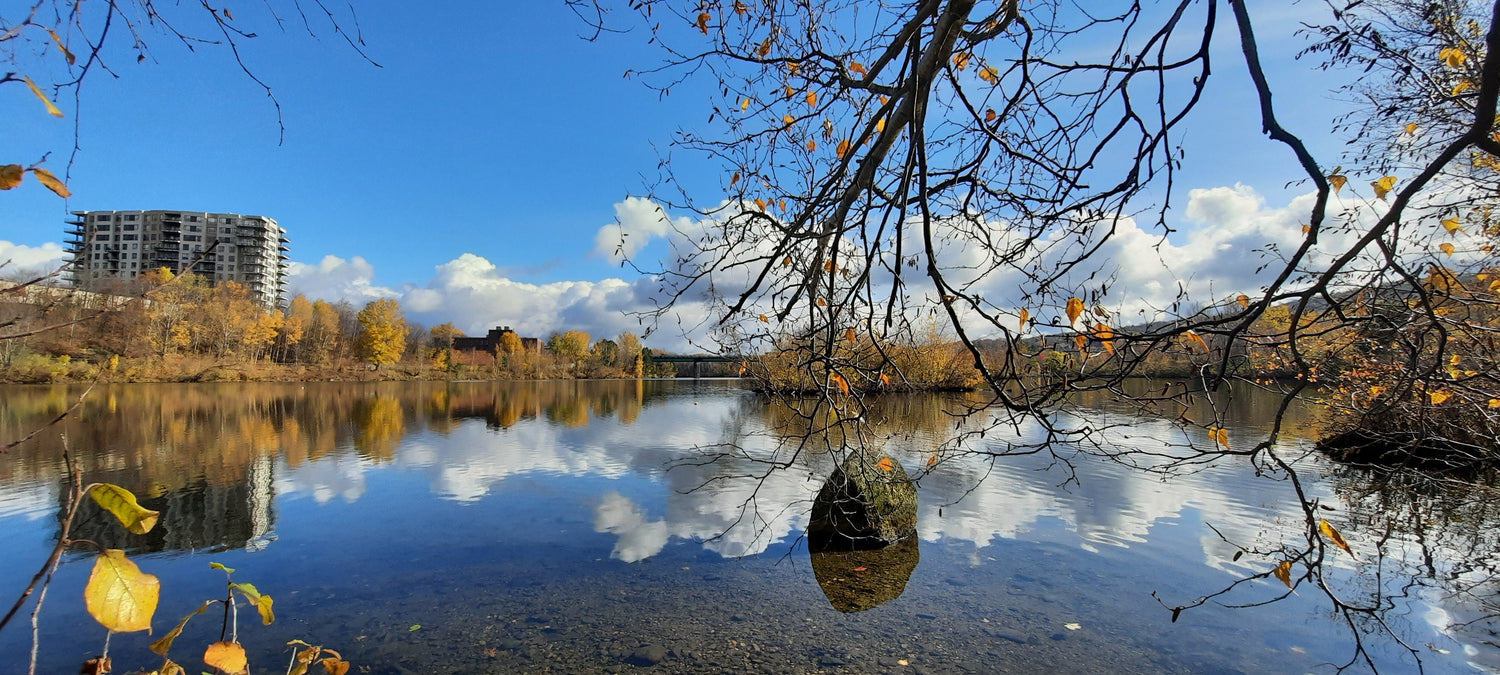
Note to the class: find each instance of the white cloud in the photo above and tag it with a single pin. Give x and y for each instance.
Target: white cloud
(26, 260)
(637, 222)
(335, 278)
(1227, 235)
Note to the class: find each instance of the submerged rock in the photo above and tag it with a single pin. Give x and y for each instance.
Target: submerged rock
(862, 536)
(854, 581)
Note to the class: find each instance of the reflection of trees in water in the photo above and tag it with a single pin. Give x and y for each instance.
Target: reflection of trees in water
(203, 454)
(1438, 536)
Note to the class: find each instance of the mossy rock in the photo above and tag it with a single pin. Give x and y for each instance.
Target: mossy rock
(868, 503)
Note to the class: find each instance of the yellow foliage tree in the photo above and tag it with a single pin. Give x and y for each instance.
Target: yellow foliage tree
(382, 333)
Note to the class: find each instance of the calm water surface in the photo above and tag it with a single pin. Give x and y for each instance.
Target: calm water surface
(578, 527)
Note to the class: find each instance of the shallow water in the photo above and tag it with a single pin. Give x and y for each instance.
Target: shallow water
(579, 527)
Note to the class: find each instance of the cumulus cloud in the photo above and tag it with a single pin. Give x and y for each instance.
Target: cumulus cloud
(22, 260)
(335, 278)
(637, 222)
(1227, 236)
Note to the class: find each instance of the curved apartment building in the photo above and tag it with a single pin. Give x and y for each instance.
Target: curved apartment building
(112, 248)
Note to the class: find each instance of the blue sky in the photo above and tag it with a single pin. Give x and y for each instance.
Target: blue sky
(491, 135)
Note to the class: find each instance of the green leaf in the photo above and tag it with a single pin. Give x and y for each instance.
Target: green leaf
(218, 566)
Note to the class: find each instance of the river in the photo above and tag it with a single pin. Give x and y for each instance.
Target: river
(623, 525)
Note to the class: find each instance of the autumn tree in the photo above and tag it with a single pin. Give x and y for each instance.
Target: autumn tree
(630, 354)
(382, 333)
(571, 346)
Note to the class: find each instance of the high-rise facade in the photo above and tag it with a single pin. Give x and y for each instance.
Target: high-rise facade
(111, 248)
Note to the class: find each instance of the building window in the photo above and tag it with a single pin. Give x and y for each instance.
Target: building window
(129, 228)
(130, 218)
(127, 237)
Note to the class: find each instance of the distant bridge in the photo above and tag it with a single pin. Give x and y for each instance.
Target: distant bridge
(695, 360)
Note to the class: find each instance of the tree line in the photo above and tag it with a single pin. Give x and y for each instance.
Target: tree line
(180, 327)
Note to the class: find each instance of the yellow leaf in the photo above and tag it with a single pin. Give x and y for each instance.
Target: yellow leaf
(764, 48)
(1452, 57)
(66, 54)
(880, 125)
(827, 265)
(786, 262)
(1461, 87)
(886, 381)
(1025, 315)
(822, 302)
(763, 319)
(1198, 339)
(812, 146)
(228, 656)
(760, 204)
(1334, 536)
(790, 92)
(1220, 435)
(1337, 181)
(1376, 391)
(1452, 225)
(932, 461)
(839, 381)
(886, 464)
(119, 595)
(1074, 309)
(1439, 397)
(961, 60)
(122, 504)
(1383, 186)
(262, 602)
(812, 98)
(849, 334)
(884, 100)
(989, 115)
(1082, 343)
(740, 7)
(51, 109)
(334, 666)
(1244, 301)
(989, 74)
(52, 182)
(1411, 128)
(703, 22)
(1284, 572)
(781, 204)
(1446, 248)
(788, 119)
(11, 175)
(228, 15)
(1495, 403)
(843, 148)
(857, 68)
(162, 646)
(734, 179)
(745, 105)
(170, 668)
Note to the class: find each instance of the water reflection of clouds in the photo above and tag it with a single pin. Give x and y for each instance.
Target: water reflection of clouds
(734, 511)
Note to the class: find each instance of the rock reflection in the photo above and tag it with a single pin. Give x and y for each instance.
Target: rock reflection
(862, 535)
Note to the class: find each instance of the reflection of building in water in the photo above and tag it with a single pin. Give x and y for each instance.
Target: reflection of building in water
(201, 515)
